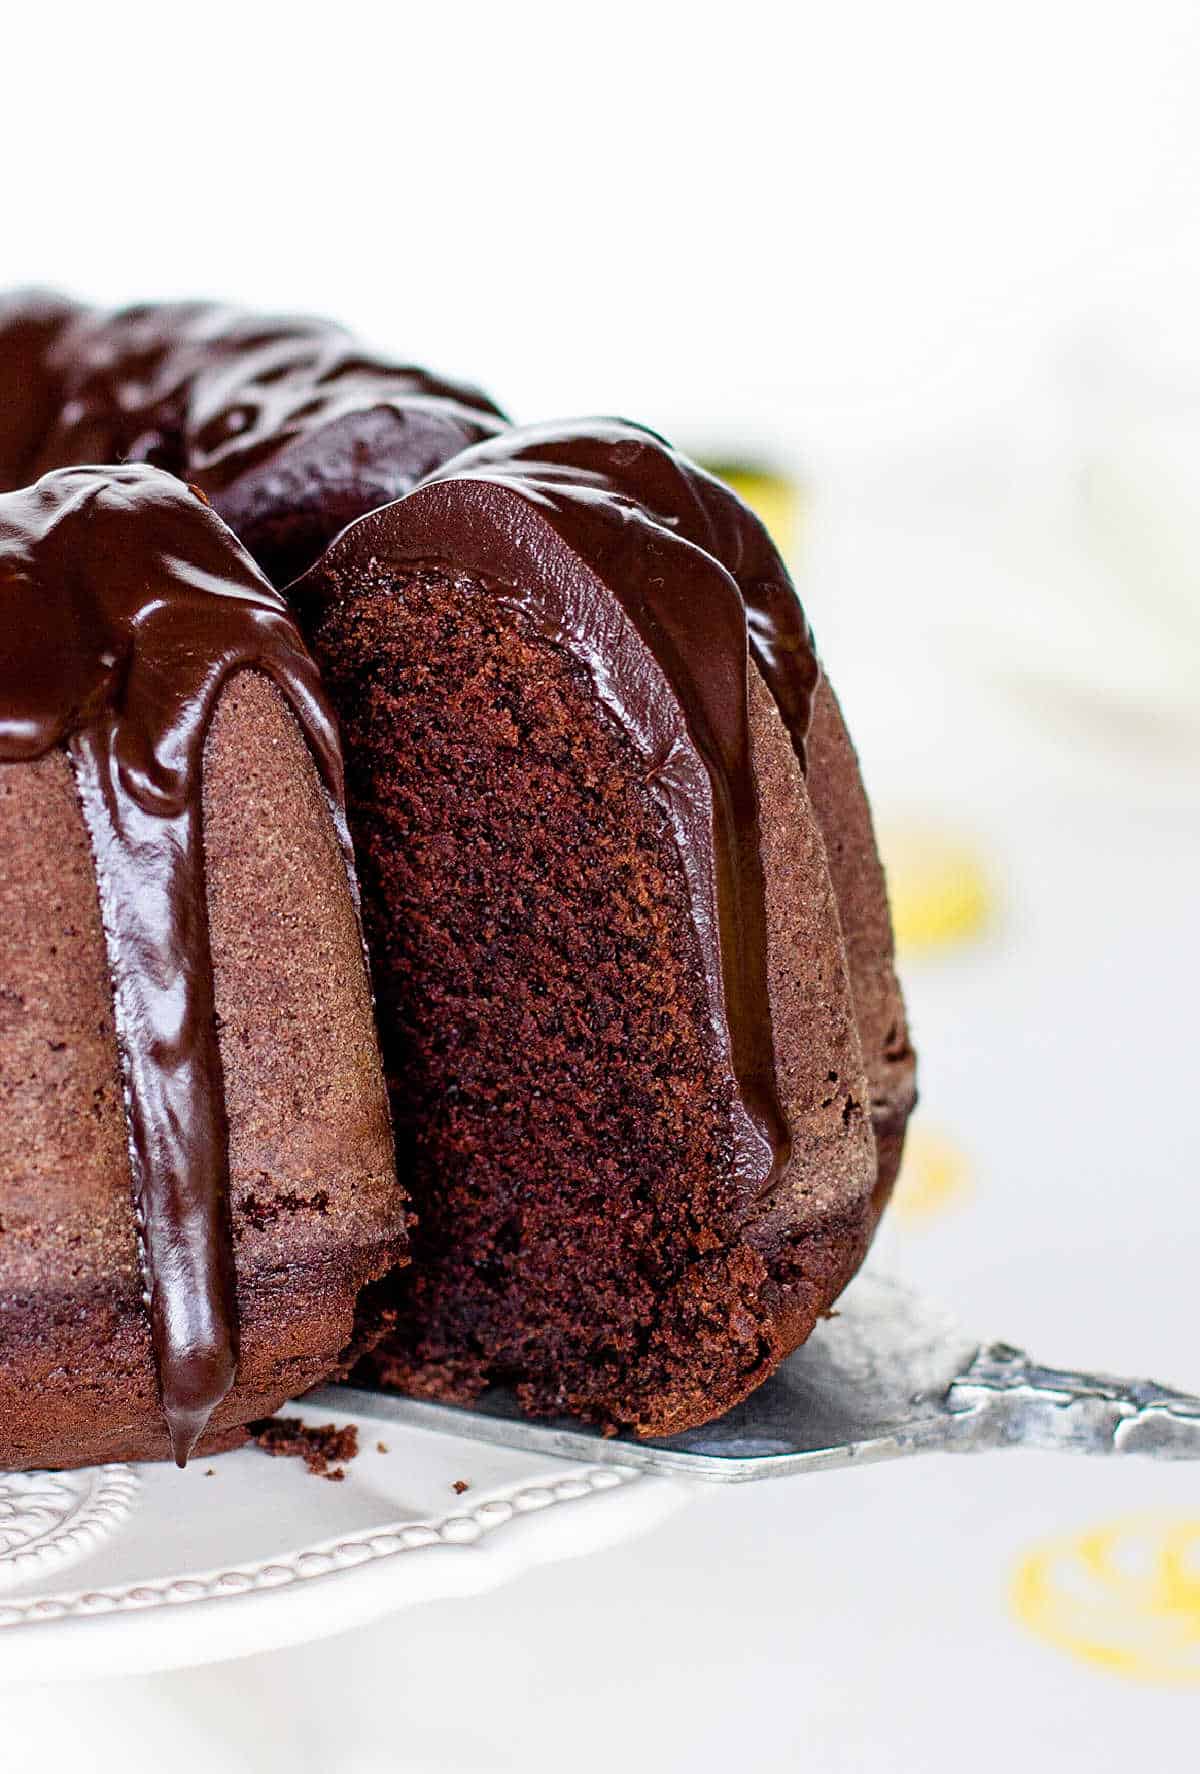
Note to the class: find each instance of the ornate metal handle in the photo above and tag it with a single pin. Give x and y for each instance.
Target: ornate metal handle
(891, 1374)
(1003, 1398)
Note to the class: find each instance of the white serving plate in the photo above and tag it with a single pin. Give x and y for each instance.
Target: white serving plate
(124, 1569)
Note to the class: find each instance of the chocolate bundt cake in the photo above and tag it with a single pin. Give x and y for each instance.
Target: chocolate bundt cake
(191, 1104)
(644, 1047)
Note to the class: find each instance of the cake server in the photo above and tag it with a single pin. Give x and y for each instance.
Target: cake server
(889, 1373)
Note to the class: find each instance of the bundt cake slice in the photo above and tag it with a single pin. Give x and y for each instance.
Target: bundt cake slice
(636, 1065)
(196, 1171)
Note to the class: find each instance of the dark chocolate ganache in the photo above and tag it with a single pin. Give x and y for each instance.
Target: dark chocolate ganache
(290, 425)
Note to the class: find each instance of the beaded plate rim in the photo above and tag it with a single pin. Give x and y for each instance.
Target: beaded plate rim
(331, 1557)
(91, 1505)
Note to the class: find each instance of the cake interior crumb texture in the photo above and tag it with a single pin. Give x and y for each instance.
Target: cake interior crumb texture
(325, 1449)
(561, 1103)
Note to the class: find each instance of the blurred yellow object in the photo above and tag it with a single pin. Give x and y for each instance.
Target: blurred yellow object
(1124, 1597)
(939, 888)
(935, 1177)
(774, 497)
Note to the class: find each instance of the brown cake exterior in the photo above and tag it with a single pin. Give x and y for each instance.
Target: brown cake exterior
(840, 803)
(620, 1024)
(308, 1199)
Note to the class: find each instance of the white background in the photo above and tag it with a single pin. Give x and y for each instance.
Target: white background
(942, 262)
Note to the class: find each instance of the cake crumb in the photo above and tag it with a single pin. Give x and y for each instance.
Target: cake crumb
(459, 1486)
(381, 1447)
(211, 1473)
(323, 1448)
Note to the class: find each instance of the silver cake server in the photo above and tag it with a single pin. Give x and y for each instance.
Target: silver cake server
(890, 1373)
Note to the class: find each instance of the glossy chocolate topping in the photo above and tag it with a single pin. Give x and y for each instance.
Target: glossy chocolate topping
(630, 466)
(30, 322)
(561, 521)
(125, 606)
(289, 425)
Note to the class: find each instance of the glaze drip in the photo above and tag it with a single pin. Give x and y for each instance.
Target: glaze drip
(125, 607)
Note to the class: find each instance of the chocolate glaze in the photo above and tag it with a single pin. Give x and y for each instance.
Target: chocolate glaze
(632, 467)
(289, 425)
(562, 520)
(125, 607)
(30, 321)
